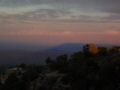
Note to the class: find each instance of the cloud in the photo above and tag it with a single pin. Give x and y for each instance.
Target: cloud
(61, 10)
(56, 15)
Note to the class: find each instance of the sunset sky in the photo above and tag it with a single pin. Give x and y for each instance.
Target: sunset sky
(51, 22)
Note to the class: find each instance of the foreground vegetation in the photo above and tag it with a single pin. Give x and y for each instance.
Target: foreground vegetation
(79, 71)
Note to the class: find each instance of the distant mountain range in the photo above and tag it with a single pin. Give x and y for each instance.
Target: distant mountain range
(66, 48)
(38, 56)
(14, 55)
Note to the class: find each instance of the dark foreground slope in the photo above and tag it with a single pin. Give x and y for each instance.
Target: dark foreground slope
(79, 72)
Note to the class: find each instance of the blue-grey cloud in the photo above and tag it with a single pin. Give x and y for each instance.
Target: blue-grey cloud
(60, 10)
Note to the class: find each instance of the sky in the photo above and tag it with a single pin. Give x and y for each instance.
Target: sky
(51, 22)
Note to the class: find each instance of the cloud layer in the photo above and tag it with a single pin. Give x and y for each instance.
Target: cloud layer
(60, 21)
(60, 10)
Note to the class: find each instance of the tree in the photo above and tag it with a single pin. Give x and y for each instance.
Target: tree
(49, 60)
(61, 63)
(90, 50)
(103, 51)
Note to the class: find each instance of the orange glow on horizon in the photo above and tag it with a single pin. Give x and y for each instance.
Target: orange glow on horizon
(52, 33)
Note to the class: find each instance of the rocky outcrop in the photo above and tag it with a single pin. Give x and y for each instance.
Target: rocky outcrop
(50, 81)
